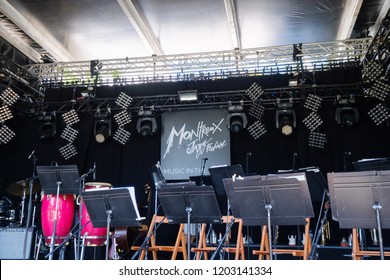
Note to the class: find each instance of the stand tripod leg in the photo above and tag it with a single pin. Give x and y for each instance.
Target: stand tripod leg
(377, 208)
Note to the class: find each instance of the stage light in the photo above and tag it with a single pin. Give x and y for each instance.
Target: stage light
(285, 117)
(236, 120)
(122, 118)
(68, 151)
(124, 101)
(313, 102)
(312, 121)
(102, 126)
(257, 129)
(188, 95)
(379, 114)
(6, 134)
(379, 89)
(69, 134)
(317, 140)
(47, 126)
(121, 135)
(257, 111)
(70, 117)
(371, 70)
(254, 91)
(9, 97)
(146, 124)
(5, 114)
(346, 112)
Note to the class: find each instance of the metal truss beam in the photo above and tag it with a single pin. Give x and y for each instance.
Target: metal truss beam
(203, 66)
(206, 100)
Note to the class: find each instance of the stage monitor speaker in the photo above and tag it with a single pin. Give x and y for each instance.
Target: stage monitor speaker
(12, 242)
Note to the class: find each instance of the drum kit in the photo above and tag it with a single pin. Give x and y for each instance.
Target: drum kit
(60, 221)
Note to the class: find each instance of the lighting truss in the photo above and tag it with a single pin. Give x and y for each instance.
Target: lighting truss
(68, 151)
(6, 134)
(70, 117)
(371, 71)
(9, 96)
(69, 134)
(317, 140)
(206, 65)
(254, 91)
(124, 101)
(257, 129)
(379, 114)
(5, 114)
(121, 135)
(257, 110)
(122, 118)
(312, 121)
(379, 90)
(313, 102)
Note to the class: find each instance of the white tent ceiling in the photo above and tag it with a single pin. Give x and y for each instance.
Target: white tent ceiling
(82, 30)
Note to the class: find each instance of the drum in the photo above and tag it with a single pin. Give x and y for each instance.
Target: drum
(5, 209)
(94, 236)
(65, 216)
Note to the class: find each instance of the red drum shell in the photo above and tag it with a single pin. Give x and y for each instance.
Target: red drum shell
(65, 216)
(94, 236)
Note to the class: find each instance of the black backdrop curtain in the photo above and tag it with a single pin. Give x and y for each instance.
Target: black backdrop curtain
(129, 165)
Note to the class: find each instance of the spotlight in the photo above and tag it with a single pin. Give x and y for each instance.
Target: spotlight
(68, 151)
(124, 101)
(379, 90)
(257, 129)
(317, 140)
(312, 121)
(102, 126)
(313, 102)
(121, 135)
(379, 114)
(236, 119)
(188, 95)
(146, 125)
(70, 117)
(285, 117)
(47, 125)
(346, 112)
(6, 134)
(254, 91)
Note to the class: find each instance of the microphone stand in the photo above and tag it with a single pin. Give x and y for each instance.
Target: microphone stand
(82, 184)
(247, 163)
(203, 167)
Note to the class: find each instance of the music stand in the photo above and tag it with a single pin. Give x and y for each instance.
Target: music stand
(58, 180)
(116, 207)
(270, 200)
(361, 200)
(186, 203)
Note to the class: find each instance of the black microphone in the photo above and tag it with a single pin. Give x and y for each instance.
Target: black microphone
(205, 159)
(32, 153)
(94, 171)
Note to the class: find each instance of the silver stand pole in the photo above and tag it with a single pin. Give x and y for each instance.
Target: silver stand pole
(55, 223)
(268, 207)
(188, 210)
(377, 208)
(109, 212)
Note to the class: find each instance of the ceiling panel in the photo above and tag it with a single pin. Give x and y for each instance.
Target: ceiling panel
(101, 29)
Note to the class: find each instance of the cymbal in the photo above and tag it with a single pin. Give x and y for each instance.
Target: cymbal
(18, 188)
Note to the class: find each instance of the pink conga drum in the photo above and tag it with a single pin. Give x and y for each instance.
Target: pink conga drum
(65, 216)
(94, 236)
